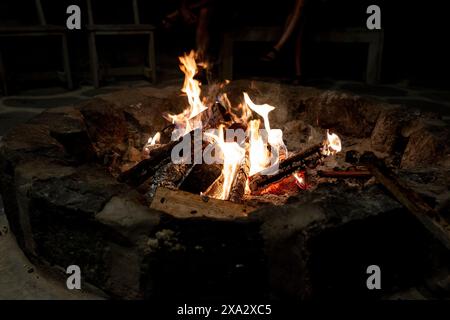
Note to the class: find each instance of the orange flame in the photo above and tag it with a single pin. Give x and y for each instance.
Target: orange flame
(260, 157)
(155, 139)
(191, 86)
(300, 180)
(233, 155)
(185, 121)
(332, 145)
(263, 110)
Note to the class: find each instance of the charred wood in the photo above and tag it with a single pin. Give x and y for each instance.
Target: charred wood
(147, 167)
(200, 177)
(345, 174)
(298, 161)
(410, 199)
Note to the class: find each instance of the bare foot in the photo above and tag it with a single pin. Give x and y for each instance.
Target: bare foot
(271, 55)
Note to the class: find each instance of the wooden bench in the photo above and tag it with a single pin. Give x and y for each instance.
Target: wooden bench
(41, 30)
(374, 39)
(95, 30)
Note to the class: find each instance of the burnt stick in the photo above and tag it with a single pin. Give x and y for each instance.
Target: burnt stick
(345, 174)
(299, 160)
(138, 174)
(410, 199)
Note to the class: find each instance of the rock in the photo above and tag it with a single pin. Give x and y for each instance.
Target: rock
(28, 141)
(147, 116)
(18, 198)
(144, 107)
(84, 192)
(427, 144)
(346, 114)
(198, 257)
(386, 133)
(60, 208)
(66, 208)
(105, 123)
(67, 126)
(421, 123)
(137, 98)
(128, 217)
(298, 135)
(125, 272)
(431, 182)
(288, 230)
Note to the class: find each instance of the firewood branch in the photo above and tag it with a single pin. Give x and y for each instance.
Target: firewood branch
(410, 199)
(309, 157)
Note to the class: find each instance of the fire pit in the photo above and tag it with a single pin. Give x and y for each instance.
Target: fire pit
(128, 187)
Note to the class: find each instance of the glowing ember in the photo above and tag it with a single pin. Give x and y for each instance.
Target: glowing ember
(285, 186)
(332, 145)
(300, 180)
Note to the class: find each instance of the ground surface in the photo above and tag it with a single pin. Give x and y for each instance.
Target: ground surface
(20, 280)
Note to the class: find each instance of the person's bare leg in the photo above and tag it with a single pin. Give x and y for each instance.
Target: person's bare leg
(272, 54)
(291, 25)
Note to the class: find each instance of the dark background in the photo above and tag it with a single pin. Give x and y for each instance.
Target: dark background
(415, 49)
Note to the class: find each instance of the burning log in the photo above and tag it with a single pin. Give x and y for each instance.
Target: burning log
(169, 176)
(215, 188)
(216, 115)
(225, 112)
(238, 189)
(345, 174)
(309, 157)
(200, 177)
(183, 204)
(213, 117)
(147, 167)
(158, 157)
(429, 217)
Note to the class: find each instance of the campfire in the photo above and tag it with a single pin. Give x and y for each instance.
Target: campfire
(244, 187)
(211, 132)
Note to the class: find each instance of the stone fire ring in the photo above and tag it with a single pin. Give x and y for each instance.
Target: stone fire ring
(65, 207)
